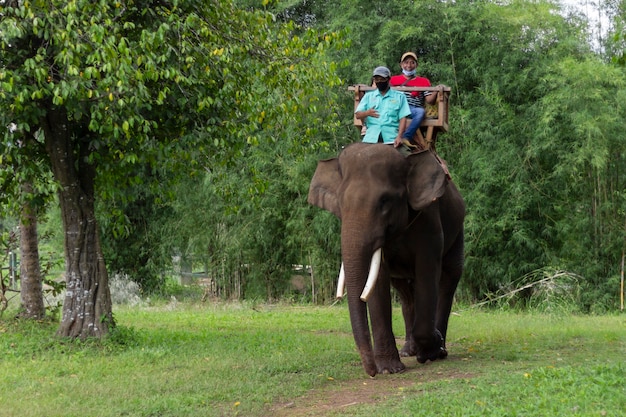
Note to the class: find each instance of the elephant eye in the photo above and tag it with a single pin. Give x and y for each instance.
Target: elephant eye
(386, 202)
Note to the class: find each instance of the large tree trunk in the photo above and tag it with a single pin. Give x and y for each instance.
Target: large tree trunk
(30, 272)
(87, 305)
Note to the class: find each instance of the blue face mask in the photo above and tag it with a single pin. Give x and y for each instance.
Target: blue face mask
(408, 73)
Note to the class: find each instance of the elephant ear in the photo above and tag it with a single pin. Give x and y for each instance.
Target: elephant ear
(426, 180)
(324, 185)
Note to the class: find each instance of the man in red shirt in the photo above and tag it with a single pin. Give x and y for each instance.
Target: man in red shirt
(416, 99)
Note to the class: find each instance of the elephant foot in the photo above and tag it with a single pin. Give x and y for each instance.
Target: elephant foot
(436, 350)
(433, 355)
(409, 349)
(369, 365)
(443, 353)
(392, 366)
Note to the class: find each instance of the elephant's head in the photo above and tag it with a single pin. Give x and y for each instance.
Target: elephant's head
(371, 188)
(377, 173)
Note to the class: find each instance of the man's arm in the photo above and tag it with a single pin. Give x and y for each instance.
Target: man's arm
(404, 122)
(365, 109)
(366, 113)
(401, 128)
(432, 98)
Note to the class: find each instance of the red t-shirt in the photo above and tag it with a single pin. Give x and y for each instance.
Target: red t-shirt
(415, 98)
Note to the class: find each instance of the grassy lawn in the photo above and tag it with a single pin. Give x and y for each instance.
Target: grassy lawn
(233, 359)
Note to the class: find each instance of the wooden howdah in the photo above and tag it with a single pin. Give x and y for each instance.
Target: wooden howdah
(435, 121)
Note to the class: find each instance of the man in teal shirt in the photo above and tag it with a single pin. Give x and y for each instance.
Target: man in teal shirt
(384, 111)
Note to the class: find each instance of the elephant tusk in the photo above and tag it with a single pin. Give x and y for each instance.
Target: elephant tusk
(341, 283)
(373, 275)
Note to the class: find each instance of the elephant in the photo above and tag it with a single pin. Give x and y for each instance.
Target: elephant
(403, 216)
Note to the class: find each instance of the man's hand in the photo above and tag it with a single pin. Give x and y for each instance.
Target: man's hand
(367, 113)
(372, 113)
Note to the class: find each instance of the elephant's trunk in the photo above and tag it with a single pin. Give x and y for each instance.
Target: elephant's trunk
(371, 277)
(360, 328)
(357, 256)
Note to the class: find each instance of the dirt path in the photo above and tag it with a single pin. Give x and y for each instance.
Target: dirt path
(340, 397)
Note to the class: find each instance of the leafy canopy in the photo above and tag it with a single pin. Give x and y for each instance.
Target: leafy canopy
(143, 80)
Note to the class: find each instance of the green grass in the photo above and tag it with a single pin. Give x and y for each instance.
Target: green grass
(515, 364)
(234, 359)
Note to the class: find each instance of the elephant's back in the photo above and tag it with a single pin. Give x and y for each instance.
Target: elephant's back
(378, 158)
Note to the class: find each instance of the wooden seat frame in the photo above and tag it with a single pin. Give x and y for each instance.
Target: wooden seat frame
(431, 125)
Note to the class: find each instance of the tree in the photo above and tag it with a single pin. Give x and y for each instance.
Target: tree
(26, 191)
(30, 272)
(115, 86)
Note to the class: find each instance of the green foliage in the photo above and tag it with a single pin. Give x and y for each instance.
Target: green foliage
(210, 90)
(615, 43)
(53, 287)
(129, 237)
(546, 291)
(541, 168)
(8, 244)
(246, 225)
(233, 219)
(583, 168)
(218, 134)
(50, 264)
(151, 93)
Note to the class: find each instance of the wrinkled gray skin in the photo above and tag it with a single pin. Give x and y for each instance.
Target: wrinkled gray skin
(409, 208)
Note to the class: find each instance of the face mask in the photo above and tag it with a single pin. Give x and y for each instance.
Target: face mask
(382, 85)
(408, 73)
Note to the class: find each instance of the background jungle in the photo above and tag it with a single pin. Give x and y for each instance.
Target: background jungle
(536, 145)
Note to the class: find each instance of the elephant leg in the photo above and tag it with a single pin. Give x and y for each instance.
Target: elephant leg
(404, 287)
(427, 338)
(444, 306)
(385, 350)
(450, 277)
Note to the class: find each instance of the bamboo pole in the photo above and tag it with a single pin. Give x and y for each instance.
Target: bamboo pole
(621, 287)
(313, 297)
